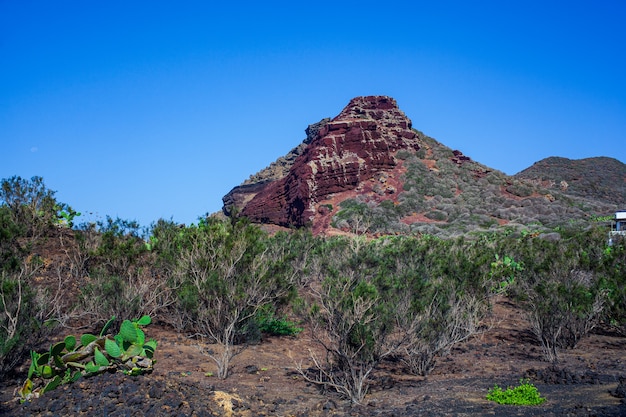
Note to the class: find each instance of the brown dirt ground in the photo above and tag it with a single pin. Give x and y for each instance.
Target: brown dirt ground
(264, 381)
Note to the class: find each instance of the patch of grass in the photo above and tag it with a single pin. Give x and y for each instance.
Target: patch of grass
(524, 394)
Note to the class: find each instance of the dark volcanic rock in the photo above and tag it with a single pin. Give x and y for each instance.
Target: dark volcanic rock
(240, 195)
(343, 153)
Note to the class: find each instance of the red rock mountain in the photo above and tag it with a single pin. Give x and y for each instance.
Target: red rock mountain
(368, 171)
(348, 150)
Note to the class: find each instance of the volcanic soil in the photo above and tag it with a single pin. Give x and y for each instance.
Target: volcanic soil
(589, 380)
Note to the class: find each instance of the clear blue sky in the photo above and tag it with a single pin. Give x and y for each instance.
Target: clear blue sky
(146, 110)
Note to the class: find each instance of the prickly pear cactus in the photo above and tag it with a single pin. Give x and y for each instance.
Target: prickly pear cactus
(68, 360)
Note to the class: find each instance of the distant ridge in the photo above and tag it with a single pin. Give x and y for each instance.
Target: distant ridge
(601, 178)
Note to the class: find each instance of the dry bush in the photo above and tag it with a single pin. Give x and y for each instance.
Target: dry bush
(129, 296)
(563, 306)
(222, 273)
(349, 320)
(18, 326)
(440, 326)
(55, 300)
(118, 273)
(350, 317)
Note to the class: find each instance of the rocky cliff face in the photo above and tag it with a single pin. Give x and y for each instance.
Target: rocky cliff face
(341, 154)
(239, 196)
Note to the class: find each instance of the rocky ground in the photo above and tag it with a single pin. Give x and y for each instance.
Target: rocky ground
(264, 381)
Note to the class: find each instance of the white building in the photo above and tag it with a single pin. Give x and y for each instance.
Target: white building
(618, 229)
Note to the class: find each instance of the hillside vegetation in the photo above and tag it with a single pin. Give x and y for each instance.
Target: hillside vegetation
(446, 194)
(599, 179)
(366, 300)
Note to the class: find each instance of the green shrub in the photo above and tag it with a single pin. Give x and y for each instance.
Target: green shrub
(520, 189)
(121, 247)
(103, 296)
(31, 204)
(524, 394)
(123, 277)
(351, 321)
(224, 273)
(448, 287)
(561, 290)
(355, 214)
(10, 233)
(276, 326)
(349, 317)
(614, 279)
(28, 212)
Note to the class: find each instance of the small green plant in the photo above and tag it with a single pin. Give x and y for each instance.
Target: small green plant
(66, 215)
(504, 269)
(601, 219)
(72, 358)
(152, 243)
(270, 324)
(524, 394)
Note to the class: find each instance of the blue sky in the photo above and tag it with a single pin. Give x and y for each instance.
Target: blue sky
(148, 110)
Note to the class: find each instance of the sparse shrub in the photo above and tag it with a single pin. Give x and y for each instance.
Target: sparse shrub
(31, 204)
(351, 317)
(81, 255)
(11, 251)
(437, 215)
(447, 320)
(18, 324)
(120, 278)
(223, 280)
(120, 248)
(403, 154)
(562, 295)
(28, 212)
(105, 295)
(357, 215)
(520, 189)
(614, 280)
(449, 290)
(290, 256)
(393, 296)
(564, 308)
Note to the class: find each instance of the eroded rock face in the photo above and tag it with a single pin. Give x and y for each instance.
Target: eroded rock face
(239, 196)
(346, 151)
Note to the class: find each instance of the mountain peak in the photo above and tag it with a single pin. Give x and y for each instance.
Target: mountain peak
(346, 151)
(367, 171)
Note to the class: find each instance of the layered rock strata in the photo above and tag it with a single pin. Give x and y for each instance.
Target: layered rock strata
(342, 153)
